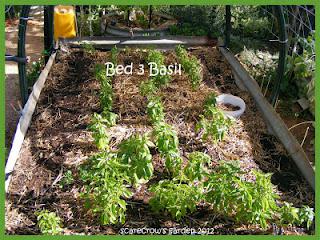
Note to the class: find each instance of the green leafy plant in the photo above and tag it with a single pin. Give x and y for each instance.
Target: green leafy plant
(259, 200)
(106, 87)
(99, 132)
(210, 100)
(104, 181)
(167, 143)
(196, 166)
(106, 96)
(296, 216)
(100, 72)
(213, 123)
(250, 202)
(157, 57)
(88, 48)
(191, 66)
(155, 109)
(187, 29)
(49, 223)
(177, 198)
(114, 55)
(147, 88)
(135, 153)
(67, 179)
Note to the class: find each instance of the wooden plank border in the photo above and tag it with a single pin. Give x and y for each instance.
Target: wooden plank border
(25, 120)
(273, 120)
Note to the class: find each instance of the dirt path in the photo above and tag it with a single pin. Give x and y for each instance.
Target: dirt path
(34, 47)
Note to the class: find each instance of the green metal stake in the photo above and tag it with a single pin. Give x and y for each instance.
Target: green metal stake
(283, 40)
(22, 53)
(228, 26)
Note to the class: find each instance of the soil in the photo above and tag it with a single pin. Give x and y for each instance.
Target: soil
(58, 140)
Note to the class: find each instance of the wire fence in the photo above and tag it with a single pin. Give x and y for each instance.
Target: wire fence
(262, 61)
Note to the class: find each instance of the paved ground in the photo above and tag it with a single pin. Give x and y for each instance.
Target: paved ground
(34, 47)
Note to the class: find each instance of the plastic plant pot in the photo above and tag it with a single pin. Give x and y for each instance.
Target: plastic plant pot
(234, 101)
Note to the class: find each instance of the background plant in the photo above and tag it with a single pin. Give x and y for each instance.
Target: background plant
(148, 88)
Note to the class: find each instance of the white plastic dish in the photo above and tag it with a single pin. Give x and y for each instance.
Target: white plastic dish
(234, 101)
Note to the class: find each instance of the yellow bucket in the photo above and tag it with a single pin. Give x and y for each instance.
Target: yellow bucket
(64, 22)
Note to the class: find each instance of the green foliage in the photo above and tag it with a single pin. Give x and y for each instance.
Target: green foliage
(251, 21)
(191, 66)
(196, 166)
(67, 179)
(99, 131)
(178, 199)
(88, 48)
(158, 58)
(106, 95)
(104, 187)
(259, 200)
(49, 223)
(34, 71)
(114, 55)
(213, 123)
(106, 87)
(296, 216)
(100, 72)
(142, 21)
(108, 118)
(135, 153)
(147, 88)
(300, 71)
(167, 142)
(210, 101)
(187, 29)
(221, 189)
(195, 19)
(248, 202)
(155, 109)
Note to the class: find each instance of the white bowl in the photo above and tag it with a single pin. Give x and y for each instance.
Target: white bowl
(234, 101)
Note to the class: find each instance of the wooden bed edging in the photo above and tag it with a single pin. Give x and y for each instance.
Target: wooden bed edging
(25, 120)
(277, 125)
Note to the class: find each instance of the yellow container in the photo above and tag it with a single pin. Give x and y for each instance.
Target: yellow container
(64, 22)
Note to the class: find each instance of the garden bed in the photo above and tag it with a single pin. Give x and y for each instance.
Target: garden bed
(58, 140)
